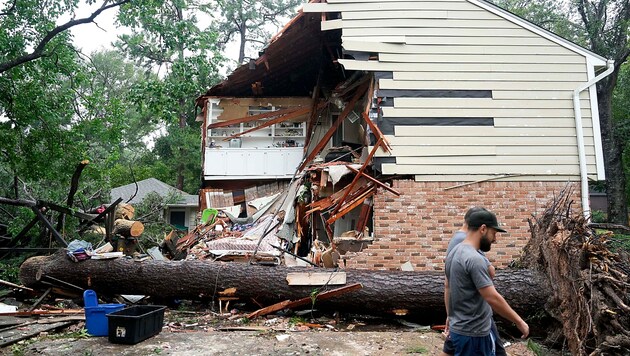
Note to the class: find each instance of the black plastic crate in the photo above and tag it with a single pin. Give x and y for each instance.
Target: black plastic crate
(136, 323)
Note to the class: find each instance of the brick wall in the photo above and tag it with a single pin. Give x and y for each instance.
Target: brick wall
(417, 225)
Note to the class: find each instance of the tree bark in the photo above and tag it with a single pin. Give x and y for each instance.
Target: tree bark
(128, 228)
(125, 211)
(615, 176)
(420, 293)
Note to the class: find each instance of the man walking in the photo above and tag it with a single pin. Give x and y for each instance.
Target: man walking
(469, 292)
(449, 349)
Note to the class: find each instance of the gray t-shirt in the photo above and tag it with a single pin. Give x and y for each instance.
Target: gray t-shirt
(457, 238)
(467, 272)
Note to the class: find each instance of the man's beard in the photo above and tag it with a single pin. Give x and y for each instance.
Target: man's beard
(485, 243)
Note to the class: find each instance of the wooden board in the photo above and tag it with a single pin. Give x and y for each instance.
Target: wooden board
(403, 48)
(515, 76)
(486, 169)
(461, 178)
(487, 132)
(475, 85)
(12, 336)
(456, 103)
(316, 278)
(505, 140)
(439, 66)
(490, 112)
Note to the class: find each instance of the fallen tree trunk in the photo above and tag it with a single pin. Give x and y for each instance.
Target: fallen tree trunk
(128, 228)
(383, 291)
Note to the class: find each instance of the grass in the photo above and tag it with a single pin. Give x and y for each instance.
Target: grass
(417, 350)
(296, 320)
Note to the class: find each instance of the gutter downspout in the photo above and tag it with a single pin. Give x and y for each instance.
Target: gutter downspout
(580, 135)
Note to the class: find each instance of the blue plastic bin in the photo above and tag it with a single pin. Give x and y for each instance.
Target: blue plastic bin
(96, 314)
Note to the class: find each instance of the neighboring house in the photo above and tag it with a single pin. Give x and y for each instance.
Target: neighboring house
(479, 107)
(181, 211)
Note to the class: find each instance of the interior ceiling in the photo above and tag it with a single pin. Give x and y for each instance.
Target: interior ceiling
(289, 65)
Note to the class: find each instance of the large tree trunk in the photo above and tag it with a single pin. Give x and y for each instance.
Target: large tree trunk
(420, 293)
(615, 176)
(128, 228)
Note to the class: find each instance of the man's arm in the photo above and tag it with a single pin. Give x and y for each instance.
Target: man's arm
(446, 291)
(501, 307)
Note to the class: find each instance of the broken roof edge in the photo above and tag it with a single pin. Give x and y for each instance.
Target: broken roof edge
(261, 59)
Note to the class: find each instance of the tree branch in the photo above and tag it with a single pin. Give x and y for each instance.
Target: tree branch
(10, 10)
(38, 52)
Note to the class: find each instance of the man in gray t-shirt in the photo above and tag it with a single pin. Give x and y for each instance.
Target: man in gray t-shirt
(469, 293)
(467, 272)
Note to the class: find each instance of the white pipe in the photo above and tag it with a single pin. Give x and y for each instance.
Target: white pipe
(610, 66)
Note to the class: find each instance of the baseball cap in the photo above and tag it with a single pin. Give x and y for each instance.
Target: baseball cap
(484, 217)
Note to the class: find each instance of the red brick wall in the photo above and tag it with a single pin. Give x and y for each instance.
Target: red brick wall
(417, 225)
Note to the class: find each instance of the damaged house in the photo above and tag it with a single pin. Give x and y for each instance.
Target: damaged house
(374, 125)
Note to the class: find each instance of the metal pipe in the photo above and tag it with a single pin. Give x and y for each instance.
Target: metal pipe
(580, 135)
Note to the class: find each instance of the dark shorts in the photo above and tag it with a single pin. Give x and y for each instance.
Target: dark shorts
(449, 346)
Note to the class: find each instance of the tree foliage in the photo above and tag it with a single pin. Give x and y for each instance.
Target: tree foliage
(166, 36)
(248, 21)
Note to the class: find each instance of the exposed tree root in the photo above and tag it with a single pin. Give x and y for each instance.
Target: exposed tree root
(589, 282)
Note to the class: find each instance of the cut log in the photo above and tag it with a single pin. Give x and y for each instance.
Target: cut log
(128, 228)
(420, 293)
(125, 211)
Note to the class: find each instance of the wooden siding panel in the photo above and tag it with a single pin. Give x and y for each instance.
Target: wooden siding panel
(477, 140)
(493, 177)
(456, 103)
(361, 45)
(537, 94)
(482, 58)
(479, 150)
(478, 85)
(489, 160)
(484, 132)
(434, 31)
(498, 39)
(515, 76)
(572, 169)
(475, 112)
(540, 122)
(376, 66)
(429, 23)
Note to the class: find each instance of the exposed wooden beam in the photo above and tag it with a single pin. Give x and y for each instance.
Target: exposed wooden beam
(374, 180)
(285, 117)
(253, 117)
(351, 205)
(349, 107)
(363, 167)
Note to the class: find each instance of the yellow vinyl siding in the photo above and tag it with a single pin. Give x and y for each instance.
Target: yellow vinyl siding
(360, 45)
(455, 45)
(351, 64)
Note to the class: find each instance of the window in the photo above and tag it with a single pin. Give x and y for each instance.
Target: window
(178, 219)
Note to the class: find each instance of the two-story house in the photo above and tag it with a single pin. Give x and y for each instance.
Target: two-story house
(456, 103)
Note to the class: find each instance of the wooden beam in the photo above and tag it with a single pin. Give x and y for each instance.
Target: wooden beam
(311, 120)
(13, 285)
(356, 177)
(287, 304)
(286, 117)
(377, 132)
(351, 205)
(374, 180)
(89, 223)
(253, 118)
(349, 107)
(53, 231)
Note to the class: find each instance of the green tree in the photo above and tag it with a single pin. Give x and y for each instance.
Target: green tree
(166, 37)
(247, 21)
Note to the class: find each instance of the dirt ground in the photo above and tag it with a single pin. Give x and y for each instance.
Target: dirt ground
(207, 334)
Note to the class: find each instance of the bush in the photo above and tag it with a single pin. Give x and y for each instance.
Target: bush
(598, 216)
